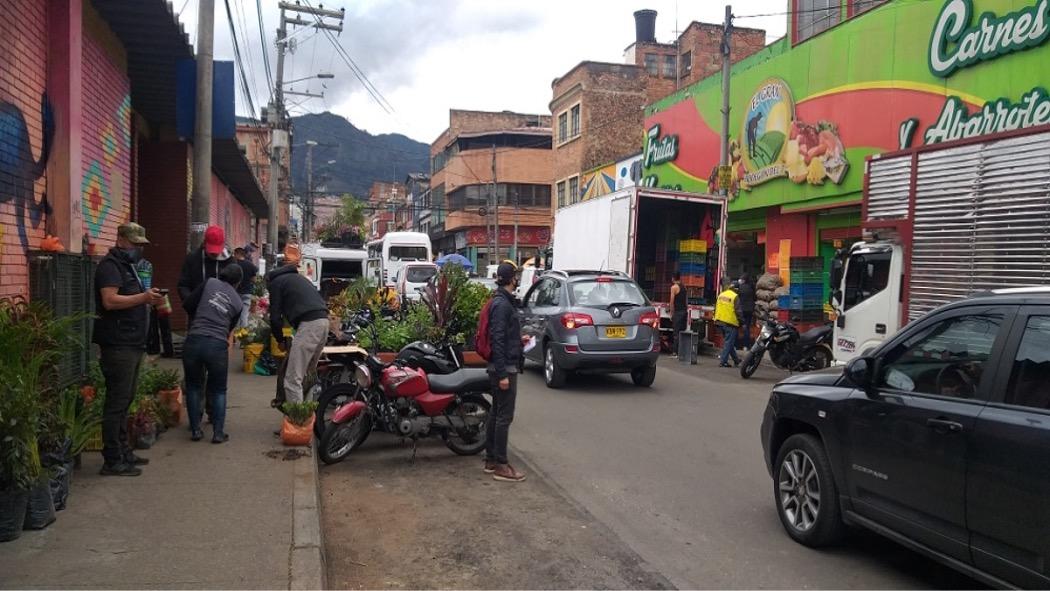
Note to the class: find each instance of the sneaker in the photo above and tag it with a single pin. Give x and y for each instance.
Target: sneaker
(135, 460)
(197, 435)
(507, 473)
(121, 469)
(490, 467)
(220, 438)
(724, 365)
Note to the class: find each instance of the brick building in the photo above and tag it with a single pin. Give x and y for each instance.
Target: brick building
(517, 147)
(254, 136)
(597, 107)
(387, 203)
(88, 140)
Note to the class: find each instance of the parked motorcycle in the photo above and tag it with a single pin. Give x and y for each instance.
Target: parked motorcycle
(788, 349)
(341, 356)
(407, 402)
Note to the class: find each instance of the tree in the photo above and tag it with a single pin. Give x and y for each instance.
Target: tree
(348, 222)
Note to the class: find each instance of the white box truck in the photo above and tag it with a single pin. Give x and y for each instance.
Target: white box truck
(632, 230)
(940, 223)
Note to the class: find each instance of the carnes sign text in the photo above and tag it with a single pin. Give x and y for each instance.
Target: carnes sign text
(955, 45)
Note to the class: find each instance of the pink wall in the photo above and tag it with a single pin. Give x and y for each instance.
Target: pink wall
(798, 227)
(229, 214)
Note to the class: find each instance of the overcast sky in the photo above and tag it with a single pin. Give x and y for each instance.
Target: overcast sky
(427, 56)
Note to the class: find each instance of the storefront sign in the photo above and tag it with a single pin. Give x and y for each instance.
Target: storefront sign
(659, 149)
(990, 38)
(776, 144)
(996, 116)
(527, 236)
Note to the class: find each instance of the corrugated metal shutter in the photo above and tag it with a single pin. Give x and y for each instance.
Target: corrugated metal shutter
(64, 281)
(982, 220)
(889, 183)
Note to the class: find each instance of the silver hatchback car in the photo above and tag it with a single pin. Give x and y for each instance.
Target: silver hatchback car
(591, 322)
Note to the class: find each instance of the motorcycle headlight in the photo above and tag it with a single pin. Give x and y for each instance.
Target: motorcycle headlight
(765, 331)
(362, 376)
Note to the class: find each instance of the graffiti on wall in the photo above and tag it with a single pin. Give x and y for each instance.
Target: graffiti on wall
(19, 171)
(102, 185)
(598, 182)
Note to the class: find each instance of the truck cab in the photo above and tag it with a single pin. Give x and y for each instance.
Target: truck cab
(866, 293)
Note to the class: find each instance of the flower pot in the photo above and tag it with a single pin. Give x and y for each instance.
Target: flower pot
(12, 513)
(147, 437)
(172, 401)
(40, 510)
(292, 434)
(60, 482)
(252, 352)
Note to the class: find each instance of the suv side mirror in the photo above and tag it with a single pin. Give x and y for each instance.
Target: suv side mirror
(861, 373)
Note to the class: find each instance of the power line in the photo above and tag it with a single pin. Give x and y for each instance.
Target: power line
(240, 61)
(862, 4)
(243, 22)
(265, 46)
(184, 5)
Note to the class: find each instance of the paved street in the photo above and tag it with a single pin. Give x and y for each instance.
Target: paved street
(628, 487)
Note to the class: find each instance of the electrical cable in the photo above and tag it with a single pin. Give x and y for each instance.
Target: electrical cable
(245, 89)
(265, 48)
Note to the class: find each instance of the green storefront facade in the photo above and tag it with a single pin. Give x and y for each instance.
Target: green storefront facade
(807, 113)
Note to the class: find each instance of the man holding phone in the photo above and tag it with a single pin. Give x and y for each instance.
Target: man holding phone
(123, 304)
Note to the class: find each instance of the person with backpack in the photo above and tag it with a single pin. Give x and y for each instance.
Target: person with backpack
(500, 342)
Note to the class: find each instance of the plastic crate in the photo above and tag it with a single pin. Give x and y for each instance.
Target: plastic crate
(806, 263)
(692, 245)
(806, 289)
(693, 257)
(807, 276)
(805, 303)
(693, 281)
(692, 269)
(784, 302)
(94, 443)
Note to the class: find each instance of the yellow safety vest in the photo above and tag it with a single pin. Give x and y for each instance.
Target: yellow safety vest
(725, 308)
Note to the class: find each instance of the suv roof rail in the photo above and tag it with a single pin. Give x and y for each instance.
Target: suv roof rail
(578, 272)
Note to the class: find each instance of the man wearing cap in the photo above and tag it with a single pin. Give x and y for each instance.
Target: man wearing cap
(123, 306)
(505, 363)
(203, 263)
(295, 298)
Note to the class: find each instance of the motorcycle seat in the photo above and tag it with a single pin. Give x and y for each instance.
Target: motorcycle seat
(463, 380)
(814, 335)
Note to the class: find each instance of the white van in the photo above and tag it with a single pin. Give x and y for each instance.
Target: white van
(389, 254)
(413, 277)
(330, 269)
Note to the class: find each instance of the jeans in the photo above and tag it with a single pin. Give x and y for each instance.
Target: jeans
(200, 356)
(120, 367)
(747, 320)
(729, 347)
(246, 299)
(497, 431)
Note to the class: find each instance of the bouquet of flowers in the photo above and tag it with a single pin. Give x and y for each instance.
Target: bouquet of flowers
(257, 331)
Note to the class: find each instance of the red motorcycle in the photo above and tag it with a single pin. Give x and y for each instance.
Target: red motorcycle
(409, 403)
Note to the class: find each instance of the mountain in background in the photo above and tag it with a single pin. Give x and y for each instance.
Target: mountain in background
(360, 157)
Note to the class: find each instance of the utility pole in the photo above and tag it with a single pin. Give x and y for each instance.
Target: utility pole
(309, 200)
(727, 34)
(276, 113)
(200, 207)
(495, 199)
(517, 212)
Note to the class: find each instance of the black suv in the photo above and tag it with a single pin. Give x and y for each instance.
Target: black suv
(938, 439)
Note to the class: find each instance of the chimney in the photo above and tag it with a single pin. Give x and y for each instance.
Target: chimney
(645, 26)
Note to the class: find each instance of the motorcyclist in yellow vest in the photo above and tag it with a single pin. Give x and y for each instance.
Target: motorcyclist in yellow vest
(727, 317)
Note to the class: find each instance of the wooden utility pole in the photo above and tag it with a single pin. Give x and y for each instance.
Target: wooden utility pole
(200, 204)
(495, 199)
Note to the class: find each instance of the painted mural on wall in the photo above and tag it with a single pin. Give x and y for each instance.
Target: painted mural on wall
(628, 172)
(598, 182)
(19, 170)
(805, 117)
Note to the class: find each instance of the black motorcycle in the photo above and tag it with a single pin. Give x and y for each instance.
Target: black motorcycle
(788, 349)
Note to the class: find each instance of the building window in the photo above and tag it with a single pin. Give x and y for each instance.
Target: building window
(563, 127)
(859, 6)
(574, 120)
(815, 16)
(686, 63)
(561, 194)
(651, 64)
(574, 189)
(669, 66)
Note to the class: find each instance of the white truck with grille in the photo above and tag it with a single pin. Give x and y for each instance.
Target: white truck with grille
(942, 223)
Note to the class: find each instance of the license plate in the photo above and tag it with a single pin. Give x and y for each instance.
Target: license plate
(616, 332)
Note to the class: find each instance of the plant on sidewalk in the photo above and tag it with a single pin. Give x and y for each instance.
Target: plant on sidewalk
(299, 413)
(80, 419)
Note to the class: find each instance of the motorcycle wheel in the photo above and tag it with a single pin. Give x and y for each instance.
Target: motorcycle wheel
(469, 442)
(820, 359)
(340, 439)
(332, 398)
(750, 364)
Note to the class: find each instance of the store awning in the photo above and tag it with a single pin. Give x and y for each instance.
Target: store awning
(154, 41)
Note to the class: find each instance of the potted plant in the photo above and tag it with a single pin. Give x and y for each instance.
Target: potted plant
(298, 424)
(252, 338)
(169, 396)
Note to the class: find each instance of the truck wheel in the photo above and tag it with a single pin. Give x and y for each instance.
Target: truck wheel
(553, 375)
(644, 376)
(805, 492)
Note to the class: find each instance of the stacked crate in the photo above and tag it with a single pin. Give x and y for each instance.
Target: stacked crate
(692, 264)
(804, 303)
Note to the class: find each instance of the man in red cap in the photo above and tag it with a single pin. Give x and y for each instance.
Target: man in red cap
(202, 264)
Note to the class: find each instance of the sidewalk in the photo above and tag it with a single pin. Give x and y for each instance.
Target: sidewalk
(201, 515)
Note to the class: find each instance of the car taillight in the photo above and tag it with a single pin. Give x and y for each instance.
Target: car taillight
(650, 319)
(572, 320)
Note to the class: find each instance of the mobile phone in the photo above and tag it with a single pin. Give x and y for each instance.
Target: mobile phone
(163, 291)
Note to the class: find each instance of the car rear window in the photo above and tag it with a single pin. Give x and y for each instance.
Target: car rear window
(419, 274)
(408, 253)
(599, 294)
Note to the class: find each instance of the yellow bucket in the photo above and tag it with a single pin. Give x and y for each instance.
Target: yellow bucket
(252, 352)
(274, 349)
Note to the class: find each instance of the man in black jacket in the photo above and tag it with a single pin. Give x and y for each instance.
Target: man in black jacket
(293, 297)
(505, 363)
(746, 295)
(204, 262)
(123, 305)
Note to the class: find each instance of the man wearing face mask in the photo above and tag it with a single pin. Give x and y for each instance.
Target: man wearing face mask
(204, 263)
(123, 305)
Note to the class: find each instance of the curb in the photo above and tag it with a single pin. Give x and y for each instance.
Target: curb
(306, 562)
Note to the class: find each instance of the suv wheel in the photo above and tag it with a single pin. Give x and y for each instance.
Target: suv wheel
(805, 492)
(644, 376)
(553, 375)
